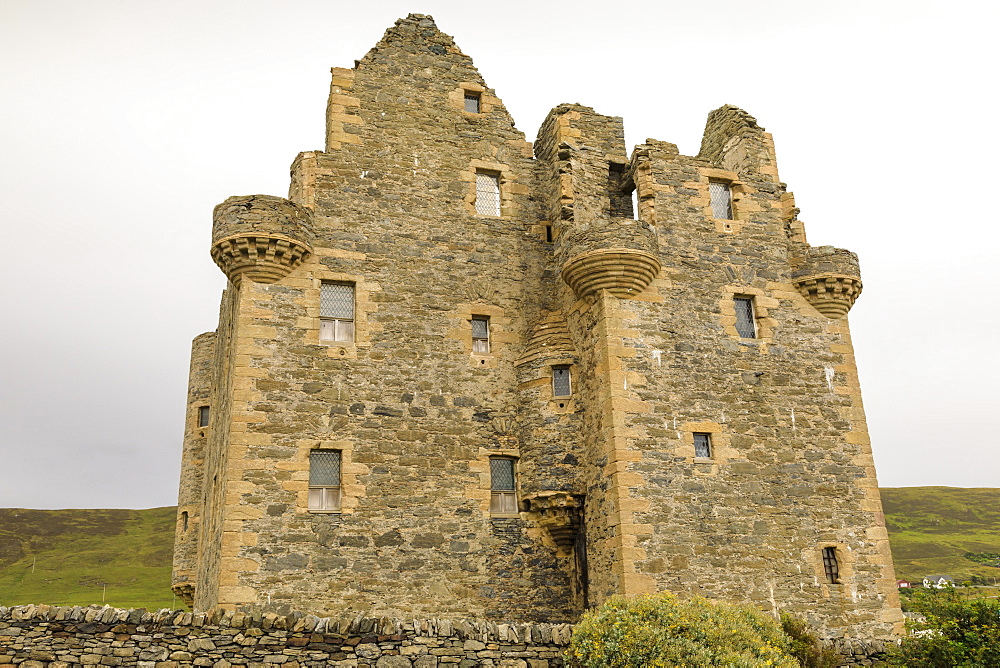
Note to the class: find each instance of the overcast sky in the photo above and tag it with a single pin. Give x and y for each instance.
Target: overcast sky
(124, 122)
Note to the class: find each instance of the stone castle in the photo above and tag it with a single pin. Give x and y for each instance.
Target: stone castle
(459, 374)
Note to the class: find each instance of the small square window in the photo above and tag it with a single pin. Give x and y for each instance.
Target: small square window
(721, 196)
(487, 194)
(324, 481)
(480, 334)
(830, 565)
(203, 413)
(702, 445)
(746, 324)
(562, 385)
(503, 497)
(336, 312)
(472, 100)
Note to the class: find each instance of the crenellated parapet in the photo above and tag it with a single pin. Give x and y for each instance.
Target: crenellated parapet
(261, 237)
(619, 256)
(829, 278)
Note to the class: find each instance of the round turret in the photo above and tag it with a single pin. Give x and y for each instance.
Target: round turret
(620, 257)
(829, 278)
(261, 237)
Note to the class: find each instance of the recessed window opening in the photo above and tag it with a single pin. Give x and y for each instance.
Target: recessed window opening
(746, 325)
(336, 312)
(203, 413)
(619, 191)
(472, 100)
(487, 194)
(324, 480)
(184, 521)
(830, 565)
(561, 383)
(503, 498)
(722, 200)
(702, 445)
(548, 233)
(480, 334)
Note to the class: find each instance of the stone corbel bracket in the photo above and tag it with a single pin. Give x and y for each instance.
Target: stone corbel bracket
(263, 258)
(559, 513)
(830, 294)
(624, 272)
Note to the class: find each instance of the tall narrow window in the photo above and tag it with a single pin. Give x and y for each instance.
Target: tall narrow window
(472, 99)
(324, 481)
(503, 499)
(722, 200)
(562, 385)
(745, 323)
(480, 334)
(487, 194)
(702, 445)
(830, 566)
(202, 416)
(336, 312)
(619, 191)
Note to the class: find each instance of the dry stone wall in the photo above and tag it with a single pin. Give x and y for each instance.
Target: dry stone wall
(59, 637)
(37, 636)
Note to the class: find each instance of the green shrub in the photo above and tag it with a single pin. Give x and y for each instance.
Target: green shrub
(958, 631)
(661, 630)
(806, 647)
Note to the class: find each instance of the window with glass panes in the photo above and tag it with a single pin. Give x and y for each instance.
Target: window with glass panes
(336, 312)
(480, 334)
(562, 384)
(203, 416)
(746, 326)
(472, 99)
(487, 194)
(503, 498)
(702, 445)
(324, 480)
(721, 196)
(830, 565)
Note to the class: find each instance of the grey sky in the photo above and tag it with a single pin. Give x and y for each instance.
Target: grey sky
(124, 123)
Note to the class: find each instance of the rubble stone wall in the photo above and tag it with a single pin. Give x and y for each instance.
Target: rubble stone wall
(35, 636)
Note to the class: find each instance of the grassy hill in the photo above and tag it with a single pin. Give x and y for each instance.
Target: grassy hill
(122, 557)
(930, 528)
(78, 557)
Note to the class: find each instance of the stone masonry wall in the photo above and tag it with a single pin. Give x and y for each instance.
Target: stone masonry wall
(35, 636)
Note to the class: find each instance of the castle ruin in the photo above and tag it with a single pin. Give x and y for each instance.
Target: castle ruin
(460, 374)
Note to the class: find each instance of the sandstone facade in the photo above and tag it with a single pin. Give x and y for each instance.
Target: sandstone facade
(646, 341)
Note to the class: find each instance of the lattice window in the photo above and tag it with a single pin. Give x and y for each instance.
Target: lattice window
(746, 324)
(324, 480)
(830, 565)
(562, 385)
(336, 312)
(503, 498)
(203, 414)
(480, 334)
(702, 445)
(722, 200)
(487, 194)
(472, 100)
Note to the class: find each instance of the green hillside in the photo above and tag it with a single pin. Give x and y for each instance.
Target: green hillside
(122, 557)
(78, 557)
(931, 528)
